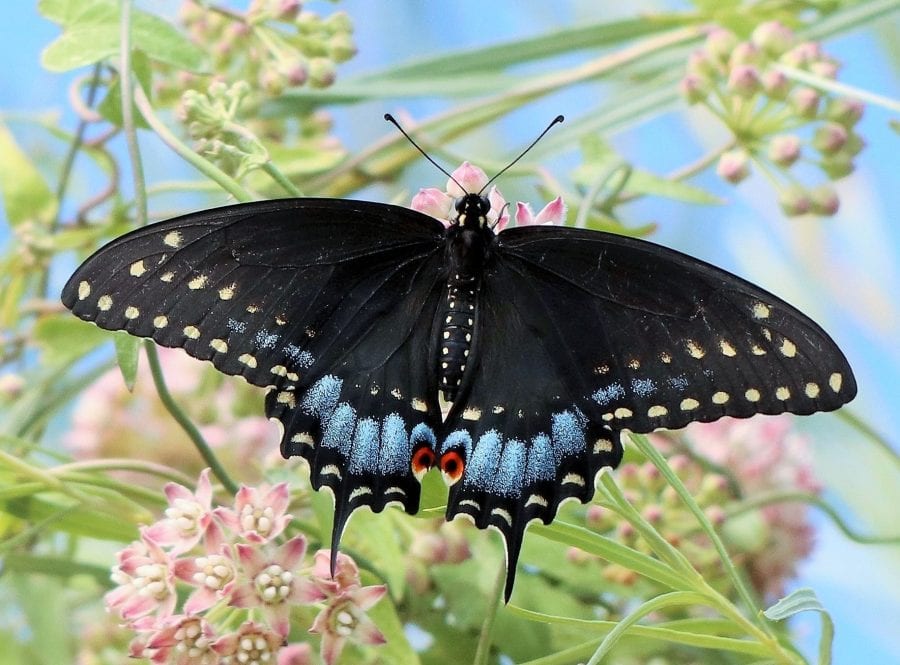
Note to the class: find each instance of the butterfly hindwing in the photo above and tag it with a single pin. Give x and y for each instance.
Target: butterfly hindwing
(328, 303)
(581, 335)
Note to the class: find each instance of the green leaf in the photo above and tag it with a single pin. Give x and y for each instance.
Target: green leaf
(111, 106)
(64, 338)
(397, 649)
(805, 600)
(26, 195)
(43, 601)
(127, 348)
(91, 34)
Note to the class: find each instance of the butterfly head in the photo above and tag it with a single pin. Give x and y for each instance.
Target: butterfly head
(472, 211)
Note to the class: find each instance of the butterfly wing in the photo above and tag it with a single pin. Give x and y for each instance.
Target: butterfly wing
(328, 303)
(582, 334)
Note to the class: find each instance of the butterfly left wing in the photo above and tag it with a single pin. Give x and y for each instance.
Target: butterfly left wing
(581, 335)
(329, 303)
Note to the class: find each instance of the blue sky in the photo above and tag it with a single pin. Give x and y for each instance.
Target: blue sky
(849, 283)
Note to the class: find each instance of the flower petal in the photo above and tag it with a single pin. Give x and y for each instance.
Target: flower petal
(471, 178)
(552, 213)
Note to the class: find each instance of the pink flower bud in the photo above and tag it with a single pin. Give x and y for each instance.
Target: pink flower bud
(733, 166)
(745, 53)
(321, 72)
(794, 200)
(802, 54)
(845, 111)
(805, 102)
(715, 514)
(825, 68)
(743, 80)
(775, 84)
(773, 37)
(700, 65)
(653, 514)
(825, 200)
(784, 149)
(829, 138)
(720, 43)
(287, 10)
(577, 556)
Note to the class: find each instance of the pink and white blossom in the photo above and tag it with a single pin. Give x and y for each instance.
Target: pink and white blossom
(259, 515)
(144, 579)
(252, 643)
(189, 518)
(213, 574)
(345, 619)
(272, 583)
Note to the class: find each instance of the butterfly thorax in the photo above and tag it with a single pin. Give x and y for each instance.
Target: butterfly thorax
(468, 242)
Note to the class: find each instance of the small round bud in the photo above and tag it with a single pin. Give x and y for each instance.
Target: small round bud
(825, 200)
(745, 53)
(716, 515)
(693, 88)
(287, 10)
(743, 80)
(271, 81)
(794, 200)
(802, 54)
(775, 84)
(734, 166)
(825, 68)
(307, 22)
(341, 47)
(596, 517)
(625, 531)
(653, 514)
(773, 37)
(854, 145)
(720, 43)
(700, 64)
(805, 102)
(577, 556)
(294, 72)
(829, 138)
(845, 111)
(784, 149)
(339, 23)
(321, 72)
(837, 166)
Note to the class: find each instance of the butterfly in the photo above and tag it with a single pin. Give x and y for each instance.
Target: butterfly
(511, 361)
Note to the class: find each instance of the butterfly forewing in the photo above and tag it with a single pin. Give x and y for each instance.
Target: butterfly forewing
(295, 295)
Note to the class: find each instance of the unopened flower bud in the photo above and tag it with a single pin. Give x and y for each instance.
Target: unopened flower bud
(715, 514)
(734, 166)
(794, 200)
(775, 84)
(287, 10)
(597, 518)
(699, 63)
(577, 556)
(693, 88)
(11, 385)
(321, 72)
(307, 22)
(341, 47)
(825, 68)
(845, 111)
(272, 81)
(653, 513)
(745, 53)
(720, 43)
(837, 166)
(294, 72)
(825, 200)
(854, 145)
(339, 23)
(773, 37)
(802, 54)
(829, 138)
(805, 102)
(784, 149)
(743, 80)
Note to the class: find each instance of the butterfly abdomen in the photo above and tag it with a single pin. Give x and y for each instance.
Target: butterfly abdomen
(457, 323)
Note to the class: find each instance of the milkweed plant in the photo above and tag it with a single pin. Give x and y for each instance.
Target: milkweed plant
(145, 511)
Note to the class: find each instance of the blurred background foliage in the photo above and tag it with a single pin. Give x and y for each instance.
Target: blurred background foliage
(761, 136)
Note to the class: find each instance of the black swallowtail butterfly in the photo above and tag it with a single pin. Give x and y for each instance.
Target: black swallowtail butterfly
(548, 341)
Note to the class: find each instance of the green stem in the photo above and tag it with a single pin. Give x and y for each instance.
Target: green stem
(279, 177)
(834, 87)
(125, 86)
(483, 650)
(182, 419)
(207, 168)
(870, 432)
(770, 498)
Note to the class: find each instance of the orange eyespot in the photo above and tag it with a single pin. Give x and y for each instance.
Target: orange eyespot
(422, 461)
(452, 466)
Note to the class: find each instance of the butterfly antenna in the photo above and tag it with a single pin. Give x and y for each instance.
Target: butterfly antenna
(558, 119)
(393, 121)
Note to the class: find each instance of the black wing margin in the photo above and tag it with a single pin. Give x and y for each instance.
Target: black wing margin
(328, 303)
(582, 335)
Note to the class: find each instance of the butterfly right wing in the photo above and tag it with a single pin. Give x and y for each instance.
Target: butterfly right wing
(328, 303)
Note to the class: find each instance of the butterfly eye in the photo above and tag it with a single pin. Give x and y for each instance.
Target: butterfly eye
(452, 466)
(422, 460)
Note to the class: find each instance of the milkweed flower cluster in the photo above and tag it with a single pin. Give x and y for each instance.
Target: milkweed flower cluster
(752, 458)
(748, 86)
(238, 558)
(469, 179)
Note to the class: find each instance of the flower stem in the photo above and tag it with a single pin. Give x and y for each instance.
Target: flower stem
(828, 85)
(483, 650)
(182, 419)
(125, 86)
